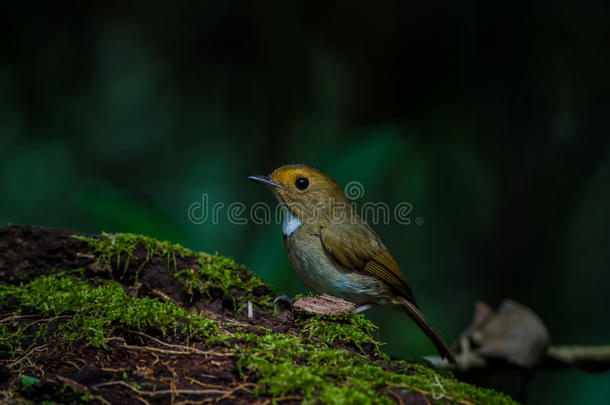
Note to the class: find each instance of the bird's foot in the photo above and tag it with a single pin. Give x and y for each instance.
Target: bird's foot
(363, 308)
(283, 300)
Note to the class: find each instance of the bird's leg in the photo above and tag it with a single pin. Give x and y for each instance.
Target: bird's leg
(283, 299)
(363, 308)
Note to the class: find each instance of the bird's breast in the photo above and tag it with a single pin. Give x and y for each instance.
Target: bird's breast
(316, 269)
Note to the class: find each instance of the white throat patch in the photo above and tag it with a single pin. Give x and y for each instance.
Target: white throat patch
(290, 224)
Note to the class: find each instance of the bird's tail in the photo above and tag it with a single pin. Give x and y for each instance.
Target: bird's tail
(425, 326)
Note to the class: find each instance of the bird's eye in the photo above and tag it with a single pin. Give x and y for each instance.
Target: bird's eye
(301, 183)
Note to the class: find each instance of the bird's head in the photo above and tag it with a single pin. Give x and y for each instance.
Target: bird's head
(307, 192)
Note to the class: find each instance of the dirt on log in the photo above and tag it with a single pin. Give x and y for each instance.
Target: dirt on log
(124, 319)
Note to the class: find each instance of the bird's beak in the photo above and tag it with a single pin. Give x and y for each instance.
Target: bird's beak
(266, 180)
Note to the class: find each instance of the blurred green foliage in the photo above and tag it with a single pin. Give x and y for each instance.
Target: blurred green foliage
(491, 120)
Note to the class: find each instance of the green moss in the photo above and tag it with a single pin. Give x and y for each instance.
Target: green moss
(309, 365)
(285, 365)
(117, 249)
(92, 312)
(351, 328)
(288, 366)
(439, 385)
(214, 272)
(222, 273)
(291, 366)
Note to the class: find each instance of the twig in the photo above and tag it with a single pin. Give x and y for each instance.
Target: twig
(428, 393)
(202, 384)
(25, 356)
(161, 392)
(152, 366)
(234, 390)
(145, 402)
(187, 348)
(76, 366)
(29, 325)
(398, 398)
(191, 350)
(587, 358)
(14, 317)
(228, 394)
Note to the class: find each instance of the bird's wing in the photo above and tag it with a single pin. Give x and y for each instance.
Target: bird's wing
(357, 247)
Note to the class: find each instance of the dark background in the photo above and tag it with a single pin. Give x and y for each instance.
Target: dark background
(492, 120)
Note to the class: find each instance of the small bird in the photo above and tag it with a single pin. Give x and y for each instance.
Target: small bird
(334, 251)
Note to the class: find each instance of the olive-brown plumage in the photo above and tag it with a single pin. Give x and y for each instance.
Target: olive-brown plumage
(333, 251)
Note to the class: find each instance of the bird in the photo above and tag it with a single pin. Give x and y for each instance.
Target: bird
(334, 251)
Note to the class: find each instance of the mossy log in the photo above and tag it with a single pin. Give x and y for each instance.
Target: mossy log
(122, 318)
